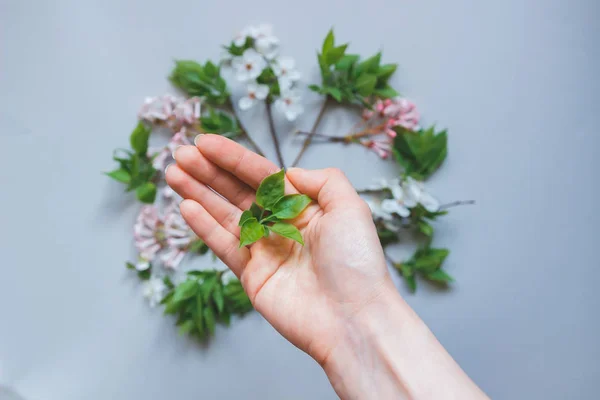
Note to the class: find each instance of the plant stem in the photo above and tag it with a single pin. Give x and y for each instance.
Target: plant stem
(274, 134)
(312, 131)
(231, 109)
(457, 203)
(389, 259)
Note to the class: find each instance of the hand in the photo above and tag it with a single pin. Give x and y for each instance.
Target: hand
(308, 293)
(332, 297)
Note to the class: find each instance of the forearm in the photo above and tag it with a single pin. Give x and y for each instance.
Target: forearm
(387, 352)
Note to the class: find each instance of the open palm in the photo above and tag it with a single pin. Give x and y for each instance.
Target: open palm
(308, 293)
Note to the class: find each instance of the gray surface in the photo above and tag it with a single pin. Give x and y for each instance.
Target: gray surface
(516, 83)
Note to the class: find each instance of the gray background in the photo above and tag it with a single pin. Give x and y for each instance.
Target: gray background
(515, 82)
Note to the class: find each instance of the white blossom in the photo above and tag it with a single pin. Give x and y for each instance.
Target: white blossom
(289, 104)
(417, 192)
(286, 72)
(256, 92)
(249, 66)
(153, 291)
(264, 41)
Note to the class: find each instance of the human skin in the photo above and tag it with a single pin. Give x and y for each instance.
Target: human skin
(333, 297)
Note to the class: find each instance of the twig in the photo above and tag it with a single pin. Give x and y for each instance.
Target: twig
(274, 134)
(231, 109)
(457, 203)
(312, 131)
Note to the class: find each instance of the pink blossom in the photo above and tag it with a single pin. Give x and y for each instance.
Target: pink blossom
(170, 111)
(381, 145)
(162, 156)
(148, 232)
(399, 112)
(178, 236)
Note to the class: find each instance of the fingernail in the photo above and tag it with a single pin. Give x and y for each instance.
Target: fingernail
(173, 152)
(167, 168)
(197, 138)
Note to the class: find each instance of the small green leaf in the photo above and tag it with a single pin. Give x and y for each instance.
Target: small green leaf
(335, 93)
(168, 282)
(365, 84)
(267, 231)
(208, 286)
(211, 69)
(291, 206)
(411, 282)
(225, 317)
(270, 190)
(335, 54)
(387, 92)
(287, 230)
(198, 246)
(209, 319)
(217, 296)
(186, 327)
(328, 42)
(439, 276)
(386, 71)
(251, 232)
(146, 193)
(186, 290)
(315, 88)
(120, 175)
(346, 62)
(145, 274)
(425, 228)
(370, 65)
(139, 139)
(129, 265)
(256, 210)
(246, 215)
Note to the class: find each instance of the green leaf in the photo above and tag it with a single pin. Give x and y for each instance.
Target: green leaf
(208, 286)
(287, 230)
(120, 175)
(186, 290)
(256, 210)
(139, 139)
(211, 69)
(291, 206)
(267, 231)
(439, 276)
(209, 319)
(246, 215)
(251, 232)
(198, 246)
(217, 296)
(346, 62)
(387, 92)
(430, 259)
(270, 190)
(145, 274)
(335, 93)
(129, 265)
(420, 153)
(411, 282)
(370, 65)
(335, 54)
(186, 327)
(168, 282)
(225, 317)
(386, 71)
(146, 193)
(328, 42)
(198, 317)
(365, 84)
(315, 88)
(425, 228)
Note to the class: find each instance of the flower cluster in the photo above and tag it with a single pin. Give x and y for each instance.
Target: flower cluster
(162, 236)
(170, 111)
(401, 196)
(381, 120)
(254, 56)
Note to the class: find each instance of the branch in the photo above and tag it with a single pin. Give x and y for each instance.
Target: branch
(231, 109)
(312, 131)
(274, 134)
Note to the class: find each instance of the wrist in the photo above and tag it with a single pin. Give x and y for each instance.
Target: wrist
(387, 351)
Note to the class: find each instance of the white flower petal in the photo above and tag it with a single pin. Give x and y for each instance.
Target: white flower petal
(261, 92)
(245, 103)
(142, 265)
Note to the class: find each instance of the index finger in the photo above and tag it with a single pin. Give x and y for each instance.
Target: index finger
(246, 165)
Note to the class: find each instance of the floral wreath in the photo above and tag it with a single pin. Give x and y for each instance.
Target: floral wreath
(389, 125)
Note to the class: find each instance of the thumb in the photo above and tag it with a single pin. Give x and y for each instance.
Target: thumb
(329, 186)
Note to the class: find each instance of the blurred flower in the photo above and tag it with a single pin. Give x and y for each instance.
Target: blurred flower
(417, 192)
(264, 41)
(170, 111)
(249, 66)
(154, 290)
(256, 92)
(162, 156)
(286, 72)
(178, 237)
(381, 145)
(148, 234)
(289, 104)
